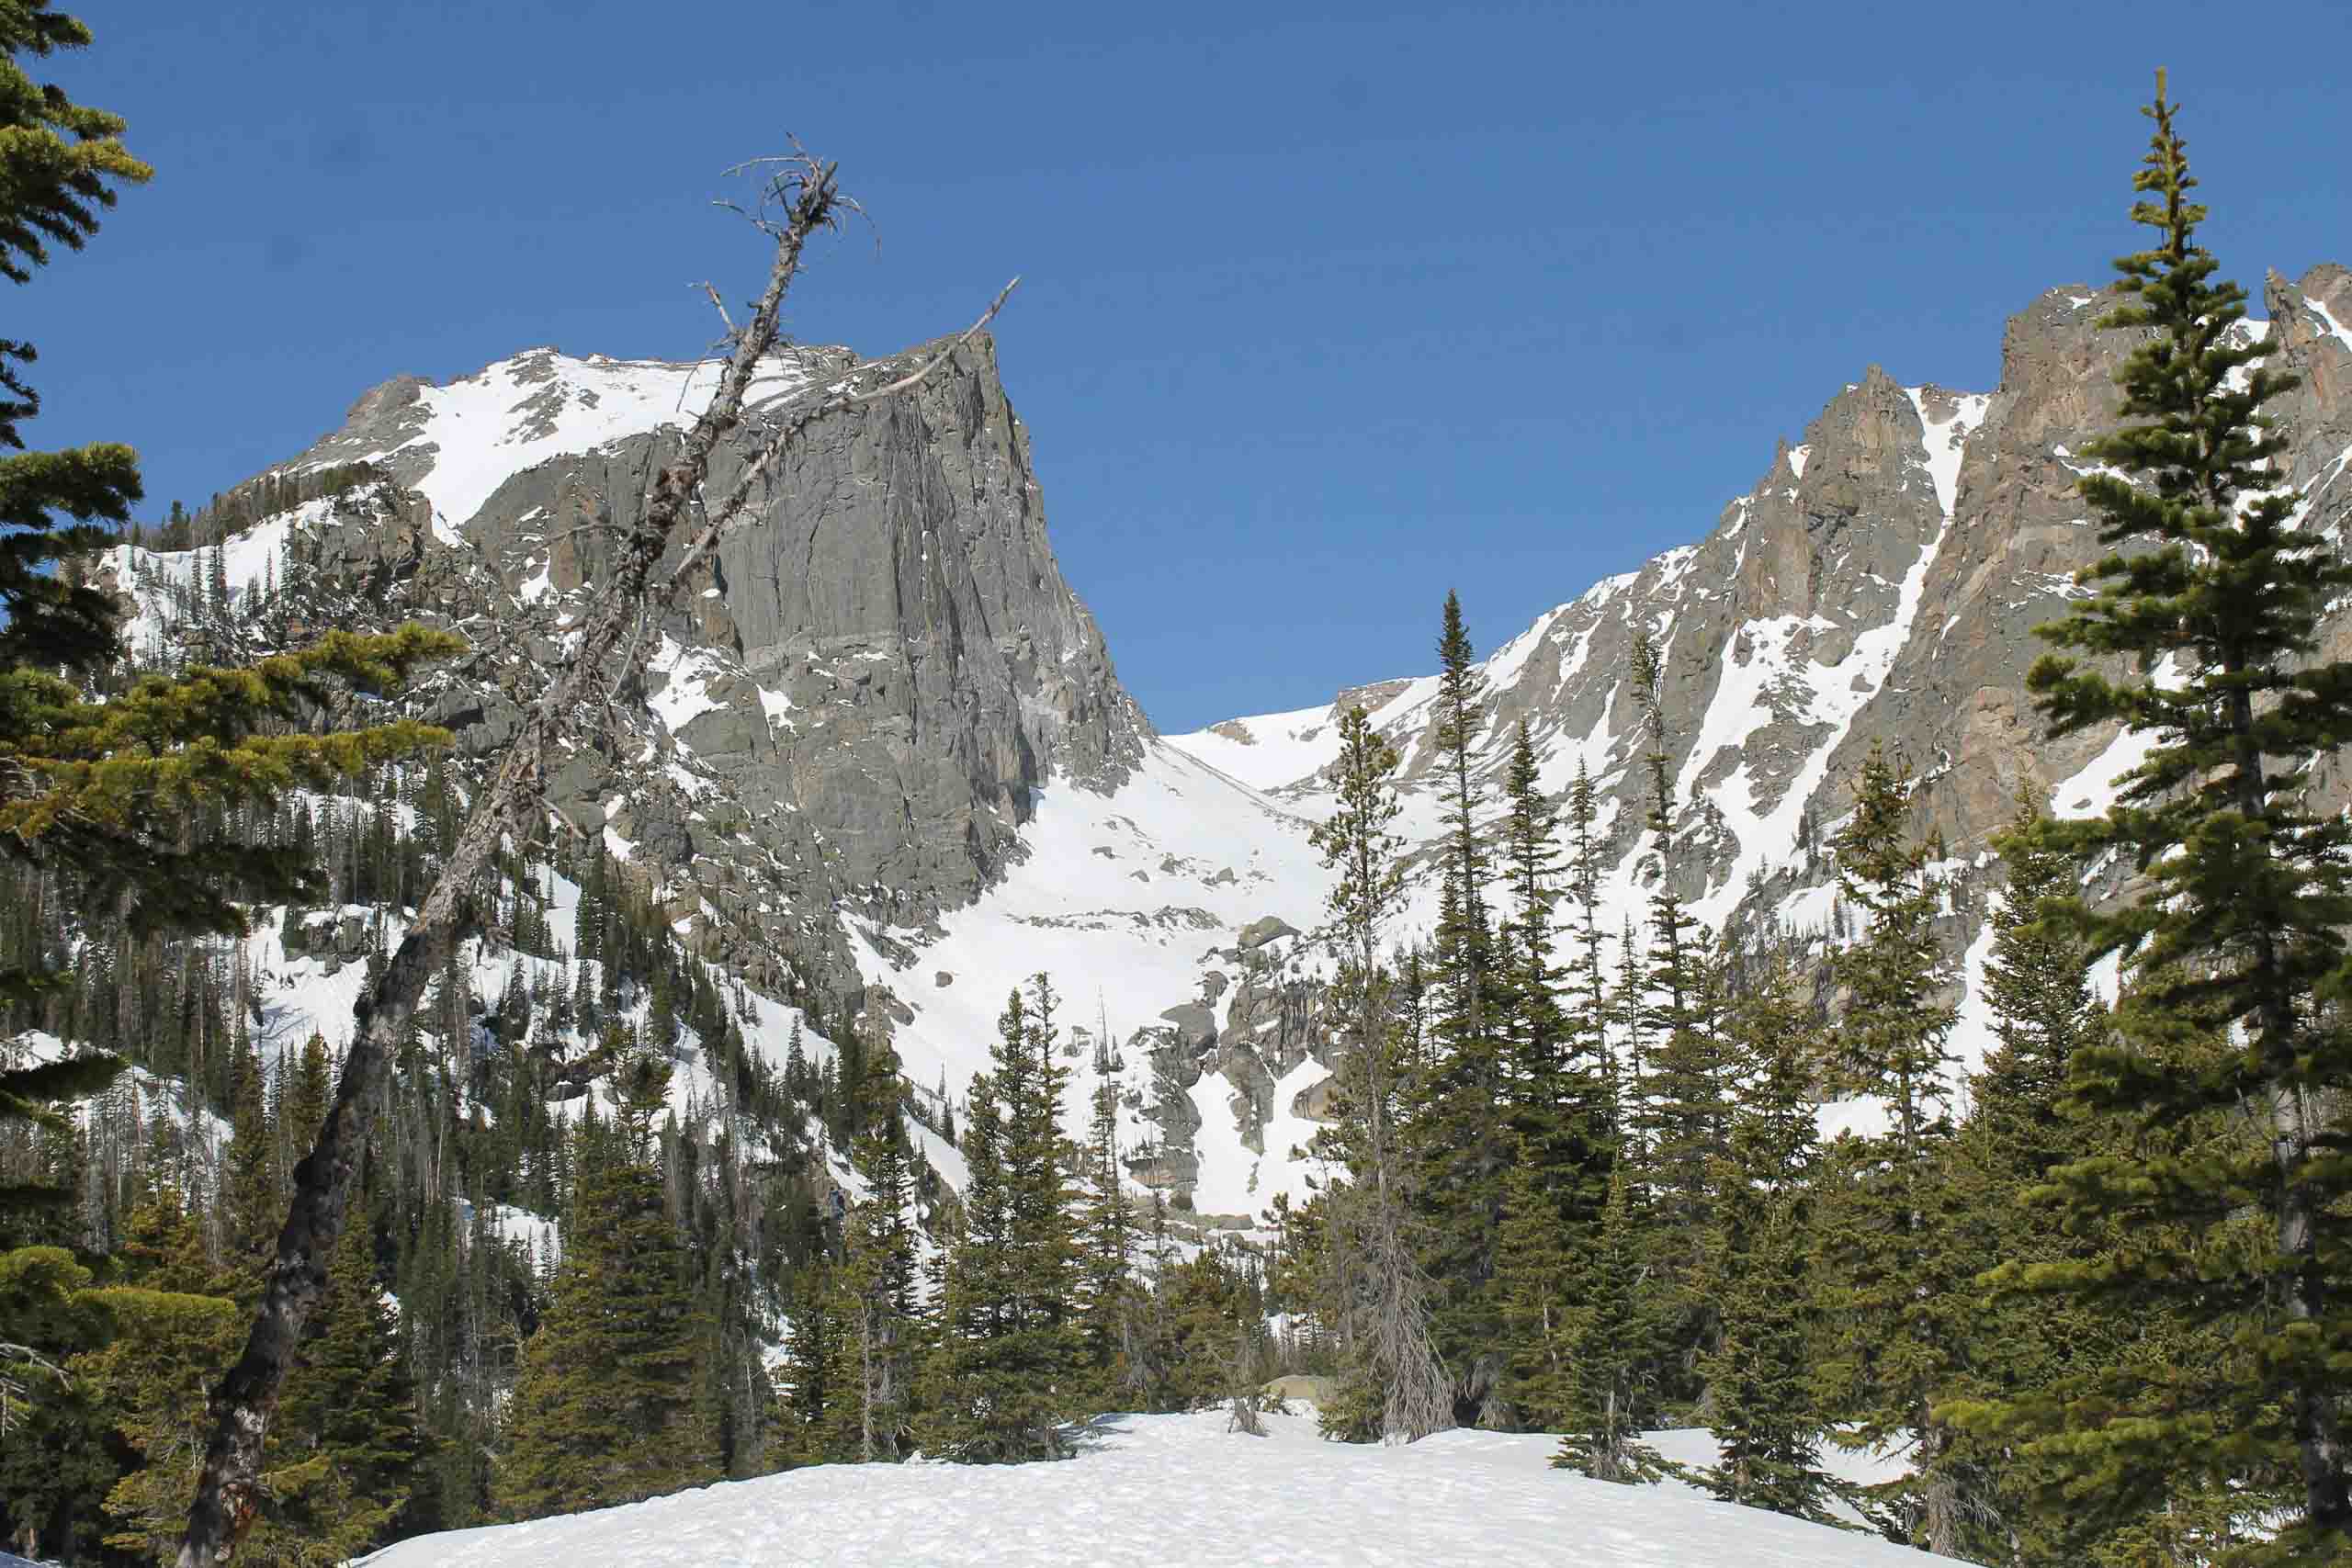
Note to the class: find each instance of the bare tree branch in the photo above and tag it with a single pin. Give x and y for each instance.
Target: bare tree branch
(719, 304)
(801, 418)
(228, 1490)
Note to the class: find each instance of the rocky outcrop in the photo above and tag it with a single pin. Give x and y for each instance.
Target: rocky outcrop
(850, 710)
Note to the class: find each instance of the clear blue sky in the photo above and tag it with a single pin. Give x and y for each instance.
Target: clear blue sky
(1327, 308)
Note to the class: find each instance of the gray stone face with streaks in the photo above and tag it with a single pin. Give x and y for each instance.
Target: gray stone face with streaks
(873, 677)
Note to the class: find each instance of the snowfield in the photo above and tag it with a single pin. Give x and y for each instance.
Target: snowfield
(1183, 1491)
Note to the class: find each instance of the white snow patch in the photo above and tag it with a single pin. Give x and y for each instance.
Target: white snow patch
(1162, 1489)
(2341, 334)
(514, 414)
(1188, 856)
(684, 695)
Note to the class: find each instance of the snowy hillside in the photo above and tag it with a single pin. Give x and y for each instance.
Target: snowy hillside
(1181, 1492)
(1126, 899)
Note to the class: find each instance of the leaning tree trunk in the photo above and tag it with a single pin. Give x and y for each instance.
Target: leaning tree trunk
(607, 648)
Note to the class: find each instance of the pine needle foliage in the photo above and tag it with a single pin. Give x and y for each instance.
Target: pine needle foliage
(602, 1411)
(1011, 1349)
(2202, 630)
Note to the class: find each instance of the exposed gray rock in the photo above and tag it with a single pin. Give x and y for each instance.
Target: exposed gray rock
(1266, 929)
(864, 690)
(1195, 1025)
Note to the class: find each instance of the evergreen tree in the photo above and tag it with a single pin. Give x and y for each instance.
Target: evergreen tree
(251, 1209)
(1609, 1351)
(814, 1357)
(54, 1454)
(1587, 989)
(175, 1326)
(877, 1285)
(1536, 1030)
(2214, 589)
(1107, 1233)
(602, 1405)
(59, 164)
(2020, 1128)
(1680, 1107)
(1375, 1295)
(1761, 1405)
(351, 1408)
(1200, 1304)
(1535, 1270)
(1010, 1346)
(1897, 1296)
(1459, 1148)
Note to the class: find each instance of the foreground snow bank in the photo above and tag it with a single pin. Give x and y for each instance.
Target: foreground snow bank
(1178, 1490)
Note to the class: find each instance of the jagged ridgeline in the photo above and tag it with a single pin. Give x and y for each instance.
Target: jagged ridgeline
(882, 771)
(883, 766)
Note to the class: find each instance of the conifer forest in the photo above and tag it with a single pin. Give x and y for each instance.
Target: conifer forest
(559, 1202)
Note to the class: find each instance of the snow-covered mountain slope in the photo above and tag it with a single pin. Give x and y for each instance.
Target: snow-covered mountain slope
(1179, 1492)
(1879, 585)
(1128, 900)
(882, 753)
(457, 441)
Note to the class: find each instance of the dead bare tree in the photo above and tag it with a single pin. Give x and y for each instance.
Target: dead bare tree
(801, 200)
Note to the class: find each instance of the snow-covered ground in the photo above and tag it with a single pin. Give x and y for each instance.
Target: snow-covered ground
(1182, 1491)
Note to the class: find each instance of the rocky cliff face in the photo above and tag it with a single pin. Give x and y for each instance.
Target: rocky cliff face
(850, 710)
(882, 749)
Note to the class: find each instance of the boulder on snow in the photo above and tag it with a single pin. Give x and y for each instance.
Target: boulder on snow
(1195, 1025)
(1266, 929)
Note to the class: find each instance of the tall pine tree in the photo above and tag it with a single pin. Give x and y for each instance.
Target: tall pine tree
(2212, 592)
(1896, 1295)
(602, 1407)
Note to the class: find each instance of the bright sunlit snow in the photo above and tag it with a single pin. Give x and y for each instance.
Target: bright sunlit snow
(540, 404)
(1182, 1492)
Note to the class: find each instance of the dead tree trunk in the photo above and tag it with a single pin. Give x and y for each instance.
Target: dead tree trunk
(607, 647)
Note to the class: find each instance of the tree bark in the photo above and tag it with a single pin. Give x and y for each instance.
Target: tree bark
(227, 1490)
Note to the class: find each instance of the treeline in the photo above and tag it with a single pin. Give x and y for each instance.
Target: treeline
(230, 514)
(530, 1190)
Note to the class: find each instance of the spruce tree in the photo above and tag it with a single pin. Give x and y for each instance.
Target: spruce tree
(815, 1358)
(1534, 1270)
(1760, 1399)
(2212, 591)
(603, 1404)
(1376, 1295)
(1460, 1147)
(1609, 1351)
(1895, 1294)
(351, 1407)
(1535, 1029)
(1680, 1111)
(1110, 1291)
(877, 1292)
(1587, 989)
(59, 164)
(250, 1206)
(2021, 1127)
(1010, 1347)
